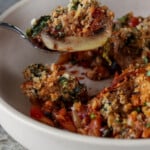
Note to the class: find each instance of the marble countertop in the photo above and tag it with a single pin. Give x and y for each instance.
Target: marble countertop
(6, 141)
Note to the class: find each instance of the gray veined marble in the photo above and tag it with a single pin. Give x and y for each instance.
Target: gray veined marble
(7, 143)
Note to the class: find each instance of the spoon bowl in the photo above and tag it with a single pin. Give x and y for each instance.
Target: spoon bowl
(80, 26)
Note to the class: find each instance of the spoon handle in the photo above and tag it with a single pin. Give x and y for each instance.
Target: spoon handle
(13, 28)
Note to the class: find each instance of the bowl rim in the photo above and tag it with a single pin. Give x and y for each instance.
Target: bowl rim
(4, 106)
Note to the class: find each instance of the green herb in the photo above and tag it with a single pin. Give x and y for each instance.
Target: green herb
(148, 73)
(145, 104)
(75, 4)
(41, 23)
(28, 32)
(123, 19)
(71, 90)
(74, 7)
(105, 109)
(106, 52)
(92, 115)
(148, 125)
(145, 59)
(118, 120)
(138, 109)
(36, 70)
(58, 10)
(63, 82)
(75, 1)
(58, 27)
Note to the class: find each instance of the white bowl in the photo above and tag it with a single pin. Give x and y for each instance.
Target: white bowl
(16, 54)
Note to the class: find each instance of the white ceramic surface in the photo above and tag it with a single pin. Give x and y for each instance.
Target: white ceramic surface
(16, 54)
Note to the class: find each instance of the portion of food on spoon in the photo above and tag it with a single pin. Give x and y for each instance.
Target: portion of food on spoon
(82, 25)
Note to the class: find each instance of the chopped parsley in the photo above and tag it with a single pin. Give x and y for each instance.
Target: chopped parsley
(118, 120)
(92, 115)
(37, 28)
(148, 125)
(123, 19)
(75, 4)
(148, 73)
(58, 27)
(145, 59)
(63, 81)
(138, 109)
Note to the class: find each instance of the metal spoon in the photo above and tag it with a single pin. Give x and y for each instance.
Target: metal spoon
(17, 30)
(69, 44)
